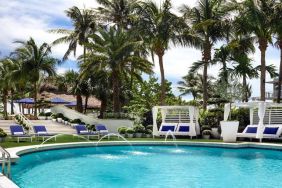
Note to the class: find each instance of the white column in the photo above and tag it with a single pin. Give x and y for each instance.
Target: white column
(163, 112)
(155, 115)
(251, 116)
(227, 107)
(192, 130)
(261, 113)
(198, 129)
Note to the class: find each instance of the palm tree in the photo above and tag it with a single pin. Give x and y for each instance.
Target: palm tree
(36, 60)
(159, 26)
(84, 25)
(191, 84)
(276, 25)
(254, 19)
(208, 20)
(120, 12)
(113, 50)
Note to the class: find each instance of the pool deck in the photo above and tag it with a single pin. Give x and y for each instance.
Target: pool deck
(17, 151)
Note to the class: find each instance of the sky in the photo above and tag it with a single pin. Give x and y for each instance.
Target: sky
(20, 20)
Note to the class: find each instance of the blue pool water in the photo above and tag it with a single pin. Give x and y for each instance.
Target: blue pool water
(149, 166)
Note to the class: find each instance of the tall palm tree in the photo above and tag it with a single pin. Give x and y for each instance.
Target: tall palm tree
(254, 18)
(276, 25)
(208, 20)
(36, 60)
(113, 50)
(120, 12)
(84, 25)
(191, 84)
(159, 27)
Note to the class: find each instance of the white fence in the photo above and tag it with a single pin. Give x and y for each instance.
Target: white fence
(111, 124)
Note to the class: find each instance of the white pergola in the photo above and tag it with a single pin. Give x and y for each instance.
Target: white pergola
(261, 106)
(193, 117)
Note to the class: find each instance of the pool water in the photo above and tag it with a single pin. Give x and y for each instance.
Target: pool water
(149, 166)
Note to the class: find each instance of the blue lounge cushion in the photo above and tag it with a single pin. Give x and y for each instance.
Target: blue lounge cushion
(270, 130)
(184, 129)
(251, 130)
(101, 127)
(39, 129)
(16, 129)
(80, 129)
(168, 127)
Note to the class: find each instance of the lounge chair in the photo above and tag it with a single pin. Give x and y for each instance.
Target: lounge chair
(165, 127)
(101, 129)
(183, 129)
(83, 131)
(269, 131)
(41, 131)
(18, 132)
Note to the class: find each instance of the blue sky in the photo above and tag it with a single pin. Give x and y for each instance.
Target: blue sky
(20, 20)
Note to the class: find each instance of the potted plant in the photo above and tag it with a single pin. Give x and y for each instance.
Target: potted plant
(54, 117)
(60, 117)
(139, 130)
(3, 135)
(129, 132)
(75, 122)
(66, 120)
(41, 116)
(48, 115)
(206, 134)
(229, 128)
(122, 131)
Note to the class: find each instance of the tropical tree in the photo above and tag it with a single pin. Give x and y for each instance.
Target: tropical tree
(159, 27)
(191, 84)
(119, 12)
(36, 60)
(208, 20)
(254, 18)
(276, 26)
(84, 25)
(113, 50)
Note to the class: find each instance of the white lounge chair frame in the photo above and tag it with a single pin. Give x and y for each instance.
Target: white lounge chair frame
(187, 115)
(262, 114)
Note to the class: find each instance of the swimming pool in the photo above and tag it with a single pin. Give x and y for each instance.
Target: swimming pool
(149, 166)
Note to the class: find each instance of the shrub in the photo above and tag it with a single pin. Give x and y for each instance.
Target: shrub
(41, 114)
(243, 116)
(48, 114)
(2, 133)
(60, 115)
(129, 131)
(122, 130)
(76, 121)
(54, 116)
(66, 119)
(139, 128)
(148, 131)
(209, 119)
(149, 127)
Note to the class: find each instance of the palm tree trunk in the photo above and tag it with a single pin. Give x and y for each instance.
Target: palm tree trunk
(280, 73)
(79, 106)
(262, 47)
(206, 59)
(162, 99)
(245, 98)
(12, 101)
(5, 93)
(35, 99)
(103, 107)
(116, 102)
(86, 104)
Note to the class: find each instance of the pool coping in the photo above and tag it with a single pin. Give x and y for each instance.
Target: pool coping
(16, 152)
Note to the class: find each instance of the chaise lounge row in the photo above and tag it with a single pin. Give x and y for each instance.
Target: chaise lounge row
(269, 131)
(40, 131)
(179, 129)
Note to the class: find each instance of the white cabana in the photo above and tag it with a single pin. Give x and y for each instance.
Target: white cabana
(261, 114)
(181, 114)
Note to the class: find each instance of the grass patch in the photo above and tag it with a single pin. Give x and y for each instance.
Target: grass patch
(12, 142)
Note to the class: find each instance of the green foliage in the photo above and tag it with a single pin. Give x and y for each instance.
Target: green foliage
(48, 114)
(54, 116)
(139, 128)
(129, 131)
(41, 114)
(193, 103)
(66, 119)
(76, 121)
(2, 133)
(148, 131)
(149, 127)
(242, 115)
(60, 115)
(91, 127)
(122, 130)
